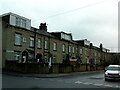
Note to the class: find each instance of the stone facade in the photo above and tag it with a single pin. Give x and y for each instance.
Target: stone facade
(41, 46)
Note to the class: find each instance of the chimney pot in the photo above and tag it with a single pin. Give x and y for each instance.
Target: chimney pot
(43, 26)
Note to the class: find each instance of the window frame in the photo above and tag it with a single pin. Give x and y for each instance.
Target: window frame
(76, 50)
(21, 22)
(31, 42)
(39, 43)
(18, 39)
(63, 47)
(81, 51)
(69, 49)
(46, 45)
(17, 55)
(73, 49)
(54, 46)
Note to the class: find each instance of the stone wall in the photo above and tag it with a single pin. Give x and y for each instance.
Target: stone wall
(27, 67)
(43, 68)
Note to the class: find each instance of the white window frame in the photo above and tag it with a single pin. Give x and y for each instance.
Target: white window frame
(20, 22)
(17, 39)
(31, 41)
(69, 49)
(63, 47)
(23, 23)
(73, 49)
(46, 45)
(76, 49)
(39, 43)
(81, 50)
(17, 55)
(54, 46)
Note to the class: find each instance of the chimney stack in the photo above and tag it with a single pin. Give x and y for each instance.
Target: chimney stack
(43, 26)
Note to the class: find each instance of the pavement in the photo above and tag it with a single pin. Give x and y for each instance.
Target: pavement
(51, 75)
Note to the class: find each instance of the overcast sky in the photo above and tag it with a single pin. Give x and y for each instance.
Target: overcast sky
(95, 20)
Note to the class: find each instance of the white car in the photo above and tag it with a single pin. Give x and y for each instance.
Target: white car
(112, 72)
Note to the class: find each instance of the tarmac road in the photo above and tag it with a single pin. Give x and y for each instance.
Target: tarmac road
(78, 80)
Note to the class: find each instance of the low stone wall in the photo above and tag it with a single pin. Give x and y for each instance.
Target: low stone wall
(65, 69)
(100, 68)
(43, 68)
(27, 67)
(83, 68)
(55, 68)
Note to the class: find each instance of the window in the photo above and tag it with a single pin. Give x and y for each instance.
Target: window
(76, 50)
(31, 41)
(73, 49)
(80, 50)
(69, 48)
(99, 55)
(17, 39)
(54, 46)
(20, 22)
(66, 36)
(95, 53)
(23, 23)
(17, 55)
(63, 47)
(39, 43)
(46, 45)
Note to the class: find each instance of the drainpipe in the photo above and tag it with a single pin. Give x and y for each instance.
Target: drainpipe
(34, 44)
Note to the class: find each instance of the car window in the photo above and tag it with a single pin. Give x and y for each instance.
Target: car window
(113, 68)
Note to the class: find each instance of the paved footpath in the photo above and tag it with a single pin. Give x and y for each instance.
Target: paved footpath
(51, 75)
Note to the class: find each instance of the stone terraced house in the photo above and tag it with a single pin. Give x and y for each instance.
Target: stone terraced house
(23, 43)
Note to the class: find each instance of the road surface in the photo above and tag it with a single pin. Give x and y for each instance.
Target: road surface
(84, 80)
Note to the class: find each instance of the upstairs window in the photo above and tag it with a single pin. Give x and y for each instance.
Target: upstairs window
(46, 45)
(63, 47)
(73, 49)
(54, 46)
(31, 41)
(39, 43)
(76, 50)
(69, 48)
(17, 39)
(23, 22)
(20, 22)
(81, 51)
(95, 53)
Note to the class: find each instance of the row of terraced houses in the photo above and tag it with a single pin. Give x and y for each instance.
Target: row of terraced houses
(26, 44)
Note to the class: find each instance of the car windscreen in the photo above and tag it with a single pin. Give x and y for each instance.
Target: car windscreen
(113, 68)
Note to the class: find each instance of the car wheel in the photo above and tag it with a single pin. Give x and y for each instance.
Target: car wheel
(106, 79)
